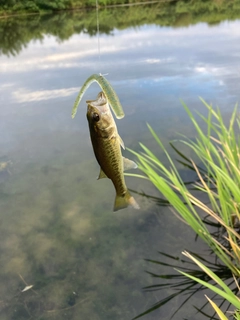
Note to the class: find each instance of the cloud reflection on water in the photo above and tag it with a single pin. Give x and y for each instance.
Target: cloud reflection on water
(147, 54)
(23, 95)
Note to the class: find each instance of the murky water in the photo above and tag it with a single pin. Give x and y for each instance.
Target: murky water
(57, 229)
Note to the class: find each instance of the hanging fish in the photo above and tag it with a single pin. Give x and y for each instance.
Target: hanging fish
(107, 148)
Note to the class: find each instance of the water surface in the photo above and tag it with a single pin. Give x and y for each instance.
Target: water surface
(57, 228)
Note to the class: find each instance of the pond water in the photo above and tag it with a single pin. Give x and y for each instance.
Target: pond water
(57, 228)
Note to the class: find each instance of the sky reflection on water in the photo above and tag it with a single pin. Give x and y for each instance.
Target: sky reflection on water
(57, 227)
(151, 68)
(198, 60)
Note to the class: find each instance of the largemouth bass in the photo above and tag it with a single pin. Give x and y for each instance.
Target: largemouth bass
(107, 149)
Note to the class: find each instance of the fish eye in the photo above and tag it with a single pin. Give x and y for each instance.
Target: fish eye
(95, 117)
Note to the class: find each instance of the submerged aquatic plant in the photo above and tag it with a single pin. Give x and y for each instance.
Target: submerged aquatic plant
(188, 287)
(218, 151)
(224, 291)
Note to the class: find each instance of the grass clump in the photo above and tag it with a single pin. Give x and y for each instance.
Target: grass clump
(215, 193)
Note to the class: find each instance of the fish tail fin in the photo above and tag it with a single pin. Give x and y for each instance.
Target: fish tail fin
(122, 202)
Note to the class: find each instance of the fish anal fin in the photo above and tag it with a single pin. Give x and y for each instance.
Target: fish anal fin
(129, 164)
(101, 174)
(122, 202)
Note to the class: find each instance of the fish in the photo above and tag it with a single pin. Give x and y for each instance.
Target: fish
(107, 145)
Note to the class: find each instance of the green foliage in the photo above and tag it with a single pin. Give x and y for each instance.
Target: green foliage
(224, 291)
(53, 5)
(28, 6)
(180, 285)
(218, 151)
(16, 32)
(183, 12)
(34, 5)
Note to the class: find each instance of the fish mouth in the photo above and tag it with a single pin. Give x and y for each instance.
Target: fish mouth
(100, 101)
(100, 104)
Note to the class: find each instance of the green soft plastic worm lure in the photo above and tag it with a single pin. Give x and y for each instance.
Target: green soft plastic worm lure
(108, 91)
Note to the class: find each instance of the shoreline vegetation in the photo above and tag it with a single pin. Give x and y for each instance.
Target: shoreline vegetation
(8, 13)
(212, 199)
(10, 8)
(23, 7)
(18, 30)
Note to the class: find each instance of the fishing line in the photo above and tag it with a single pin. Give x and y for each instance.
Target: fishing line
(106, 87)
(98, 35)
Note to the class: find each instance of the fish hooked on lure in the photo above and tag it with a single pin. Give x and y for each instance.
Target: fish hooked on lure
(108, 91)
(107, 144)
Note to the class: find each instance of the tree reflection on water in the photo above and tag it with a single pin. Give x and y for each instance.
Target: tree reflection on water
(17, 32)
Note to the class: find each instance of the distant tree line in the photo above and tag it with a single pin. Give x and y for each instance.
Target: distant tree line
(7, 6)
(15, 6)
(38, 5)
(17, 32)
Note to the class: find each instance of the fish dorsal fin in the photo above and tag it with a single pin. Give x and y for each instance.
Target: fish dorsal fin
(101, 174)
(129, 164)
(121, 142)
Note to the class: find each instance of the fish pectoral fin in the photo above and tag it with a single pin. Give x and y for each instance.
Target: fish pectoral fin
(121, 142)
(101, 174)
(129, 164)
